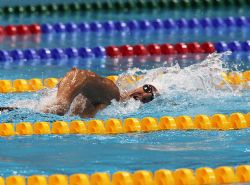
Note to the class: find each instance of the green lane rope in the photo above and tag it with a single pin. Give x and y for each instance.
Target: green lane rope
(120, 6)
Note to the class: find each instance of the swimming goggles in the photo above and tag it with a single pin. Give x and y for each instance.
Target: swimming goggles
(149, 89)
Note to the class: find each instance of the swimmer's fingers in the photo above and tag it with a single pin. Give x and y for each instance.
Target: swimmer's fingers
(7, 109)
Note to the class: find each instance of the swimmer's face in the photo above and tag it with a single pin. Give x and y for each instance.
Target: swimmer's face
(145, 93)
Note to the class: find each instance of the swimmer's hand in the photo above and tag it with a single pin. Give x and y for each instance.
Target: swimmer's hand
(6, 109)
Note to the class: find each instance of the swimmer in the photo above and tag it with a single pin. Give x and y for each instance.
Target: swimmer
(87, 88)
(91, 93)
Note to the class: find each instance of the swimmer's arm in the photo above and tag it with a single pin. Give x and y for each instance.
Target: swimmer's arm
(71, 84)
(84, 108)
(100, 91)
(7, 109)
(68, 88)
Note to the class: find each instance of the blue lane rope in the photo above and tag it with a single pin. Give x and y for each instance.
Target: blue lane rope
(132, 25)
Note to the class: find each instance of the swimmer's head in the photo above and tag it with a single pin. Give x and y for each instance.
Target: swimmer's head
(145, 94)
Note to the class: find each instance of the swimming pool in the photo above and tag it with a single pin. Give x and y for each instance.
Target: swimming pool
(186, 82)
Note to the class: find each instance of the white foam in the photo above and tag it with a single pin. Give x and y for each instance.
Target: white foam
(203, 75)
(198, 78)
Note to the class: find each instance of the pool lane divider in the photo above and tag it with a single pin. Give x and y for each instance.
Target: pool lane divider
(121, 26)
(182, 176)
(117, 51)
(215, 122)
(234, 79)
(119, 6)
(123, 51)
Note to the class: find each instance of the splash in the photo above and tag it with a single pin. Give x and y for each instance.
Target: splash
(204, 75)
(179, 88)
(38, 102)
(198, 80)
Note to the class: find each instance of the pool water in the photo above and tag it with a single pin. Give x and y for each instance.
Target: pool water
(151, 151)
(89, 39)
(186, 83)
(182, 94)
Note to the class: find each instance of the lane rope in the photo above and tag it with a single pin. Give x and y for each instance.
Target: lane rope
(121, 26)
(123, 51)
(215, 122)
(200, 176)
(120, 6)
(36, 84)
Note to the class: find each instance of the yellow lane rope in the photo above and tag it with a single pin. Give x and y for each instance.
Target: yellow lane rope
(129, 125)
(183, 176)
(36, 84)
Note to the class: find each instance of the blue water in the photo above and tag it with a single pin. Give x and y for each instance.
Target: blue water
(238, 61)
(93, 39)
(151, 151)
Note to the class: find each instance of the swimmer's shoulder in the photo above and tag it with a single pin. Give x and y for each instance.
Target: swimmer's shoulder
(83, 72)
(113, 88)
(106, 85)
(89, 74)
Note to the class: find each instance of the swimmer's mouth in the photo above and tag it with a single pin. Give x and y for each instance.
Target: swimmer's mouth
(146, 99)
